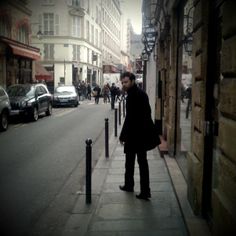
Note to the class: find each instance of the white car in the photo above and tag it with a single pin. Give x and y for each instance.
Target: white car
(65, 96)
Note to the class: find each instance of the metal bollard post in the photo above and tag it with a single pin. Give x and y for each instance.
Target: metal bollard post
(123, 107)
(106, 138)
(88, 170)
(115, 122)
(119, 113)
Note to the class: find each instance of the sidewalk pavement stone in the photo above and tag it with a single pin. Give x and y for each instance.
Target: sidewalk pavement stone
(117, 213)
(114, 212)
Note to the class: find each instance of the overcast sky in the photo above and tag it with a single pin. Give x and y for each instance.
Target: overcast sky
(133, 11)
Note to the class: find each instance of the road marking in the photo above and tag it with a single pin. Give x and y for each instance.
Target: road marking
(19, 125)
(65, 112)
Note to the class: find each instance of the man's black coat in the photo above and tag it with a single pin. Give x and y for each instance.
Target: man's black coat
(138, 131)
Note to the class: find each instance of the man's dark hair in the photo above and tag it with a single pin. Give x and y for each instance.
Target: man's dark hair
(128, 74)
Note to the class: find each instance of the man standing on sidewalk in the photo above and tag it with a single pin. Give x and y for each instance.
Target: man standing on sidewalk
(138, 135)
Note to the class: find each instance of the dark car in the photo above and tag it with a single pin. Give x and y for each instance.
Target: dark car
(65, 96)
(30, 100)
(4, 109)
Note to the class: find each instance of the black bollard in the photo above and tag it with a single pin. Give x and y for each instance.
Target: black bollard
(115, 122)
(119, 113)
(124, 107)
(106, 138)
(88, 170)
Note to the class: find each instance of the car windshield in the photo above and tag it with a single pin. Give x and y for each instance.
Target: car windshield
(65, 90)
(21, 91)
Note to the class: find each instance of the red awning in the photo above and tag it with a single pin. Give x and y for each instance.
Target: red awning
(110, 69)
(24, 52)
(41, 73)
(21, 49)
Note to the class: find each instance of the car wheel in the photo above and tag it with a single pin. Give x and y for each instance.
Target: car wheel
(49, 110)
(35, 114)
(4, 121)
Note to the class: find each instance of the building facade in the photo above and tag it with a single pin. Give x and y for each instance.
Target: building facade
(111, 35)
(70, 43)
(206, 31)
(16, 55)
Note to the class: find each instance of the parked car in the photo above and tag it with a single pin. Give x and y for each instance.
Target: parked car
(30, 100)
(4, 109)
(65, 96)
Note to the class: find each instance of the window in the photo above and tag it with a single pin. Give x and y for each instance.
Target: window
(88, 55)
(49, 51)
(76, 3)
(76, 52)
(96, 37)
(87, 30)
(48, 23)
(76, 26)
(92, 34)
(22, 34)
(5, 28)
(41, 90)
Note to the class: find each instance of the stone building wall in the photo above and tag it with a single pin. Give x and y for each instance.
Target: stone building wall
(224, 195)
(221, 208)
(199, 57)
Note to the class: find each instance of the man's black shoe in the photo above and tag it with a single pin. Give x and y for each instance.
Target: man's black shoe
(144, 196)
(124, 188)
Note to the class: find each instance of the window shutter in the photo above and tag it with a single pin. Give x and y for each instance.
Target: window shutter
(40, 17)
(56, 24)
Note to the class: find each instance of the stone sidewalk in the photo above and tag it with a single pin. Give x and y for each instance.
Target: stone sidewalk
(113, 212)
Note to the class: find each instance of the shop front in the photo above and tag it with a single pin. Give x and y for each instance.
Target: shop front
(16, 62)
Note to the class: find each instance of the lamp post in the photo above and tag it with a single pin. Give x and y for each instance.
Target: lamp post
(188, 35)
(39, 34)
(145, 58)
(188, 44)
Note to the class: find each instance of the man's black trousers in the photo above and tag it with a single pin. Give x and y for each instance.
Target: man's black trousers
(143, 170)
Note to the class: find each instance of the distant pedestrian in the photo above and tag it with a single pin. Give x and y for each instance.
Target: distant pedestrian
(105, 93)
(79, 90)
(138, 135)
(118, 93)
(113, 92)
(83, 90)
(89, 90)
(182, 93)
(188, 93)
(97, 93)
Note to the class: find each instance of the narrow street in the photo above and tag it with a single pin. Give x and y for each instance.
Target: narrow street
(42, 166)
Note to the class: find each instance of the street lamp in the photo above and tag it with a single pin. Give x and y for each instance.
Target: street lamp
(188, 44)
(39, 34)
(188, 35)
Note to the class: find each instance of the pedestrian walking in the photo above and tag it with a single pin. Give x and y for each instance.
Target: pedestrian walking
(138, 135)
(79, 90)
(97, 92)
(89, 90)
(113, 92)
(83, 90)
(189, 103)
(105, 93)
